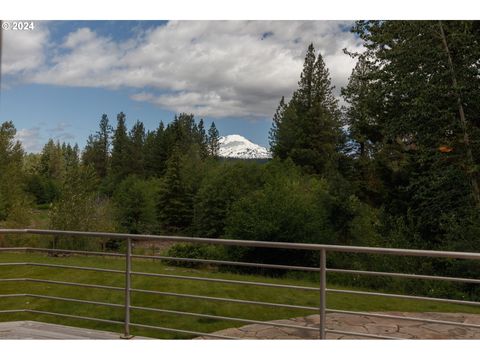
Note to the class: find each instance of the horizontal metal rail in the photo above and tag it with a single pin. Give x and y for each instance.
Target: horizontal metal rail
(190, 296)
(218, 317)
(13, 279)
(144, 308)
(250, 243)
(407, 297)
(210, 298)
(232, 263)
(89, 302)
(404, 275)
(54, 250)
(6, 296)
(67, 283)
(188, 332)
(361, 272)
(74, 316)
(12, 249)
(166, 258)
(226, 281)
(75, 267)
(341, 332)
(249, 321)
(12, 311)
(407, 318)
(191, 278)
(346, 271)
(82, 252)
(63, 267)
(13, 263)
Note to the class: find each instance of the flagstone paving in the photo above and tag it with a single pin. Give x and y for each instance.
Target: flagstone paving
(368, 325)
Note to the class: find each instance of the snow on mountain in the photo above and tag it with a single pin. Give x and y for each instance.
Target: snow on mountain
(236, 146)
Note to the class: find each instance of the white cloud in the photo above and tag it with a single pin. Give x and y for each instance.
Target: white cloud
(31, 139)
(210, 68)
(23, 51)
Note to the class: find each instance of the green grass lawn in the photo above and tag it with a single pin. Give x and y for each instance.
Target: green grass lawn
(257, 293)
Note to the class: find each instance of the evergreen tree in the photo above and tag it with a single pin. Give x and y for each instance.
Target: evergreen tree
(175, 201)
(276, 123)
(307, 129)
(103, 135)
(156, 152)
(213, 140)
(52, 162)
(89, 152)
(182, 132)
(360, 116)
(136, 151)
(365, 136)
(304, 96)
(202, 139)
(149, 153)
(120, 162)
(97, 150)
(71, 155)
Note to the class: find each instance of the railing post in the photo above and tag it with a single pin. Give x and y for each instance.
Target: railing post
(128, 270)
(323, 292)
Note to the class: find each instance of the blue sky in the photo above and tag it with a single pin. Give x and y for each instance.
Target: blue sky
(59, 79)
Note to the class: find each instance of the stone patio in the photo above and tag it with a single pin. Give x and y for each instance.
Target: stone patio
(405, 329)
(396, 328)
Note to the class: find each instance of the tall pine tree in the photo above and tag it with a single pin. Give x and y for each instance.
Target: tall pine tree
(120, 163)
(213, 141)
(97, 150)
(307, 128)
(365, 136)
(136, 151)
(175, 202)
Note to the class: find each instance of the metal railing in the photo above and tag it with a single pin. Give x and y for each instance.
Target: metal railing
(322, 289)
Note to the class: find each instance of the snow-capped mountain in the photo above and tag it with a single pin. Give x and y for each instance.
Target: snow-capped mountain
(236, 146)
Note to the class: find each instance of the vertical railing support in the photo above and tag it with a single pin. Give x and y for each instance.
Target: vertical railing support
(323, 292)
(128, 271)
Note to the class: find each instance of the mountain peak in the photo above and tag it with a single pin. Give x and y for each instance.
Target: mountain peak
(236, 146)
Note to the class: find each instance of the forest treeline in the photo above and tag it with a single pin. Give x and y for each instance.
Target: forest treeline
(397, 165)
